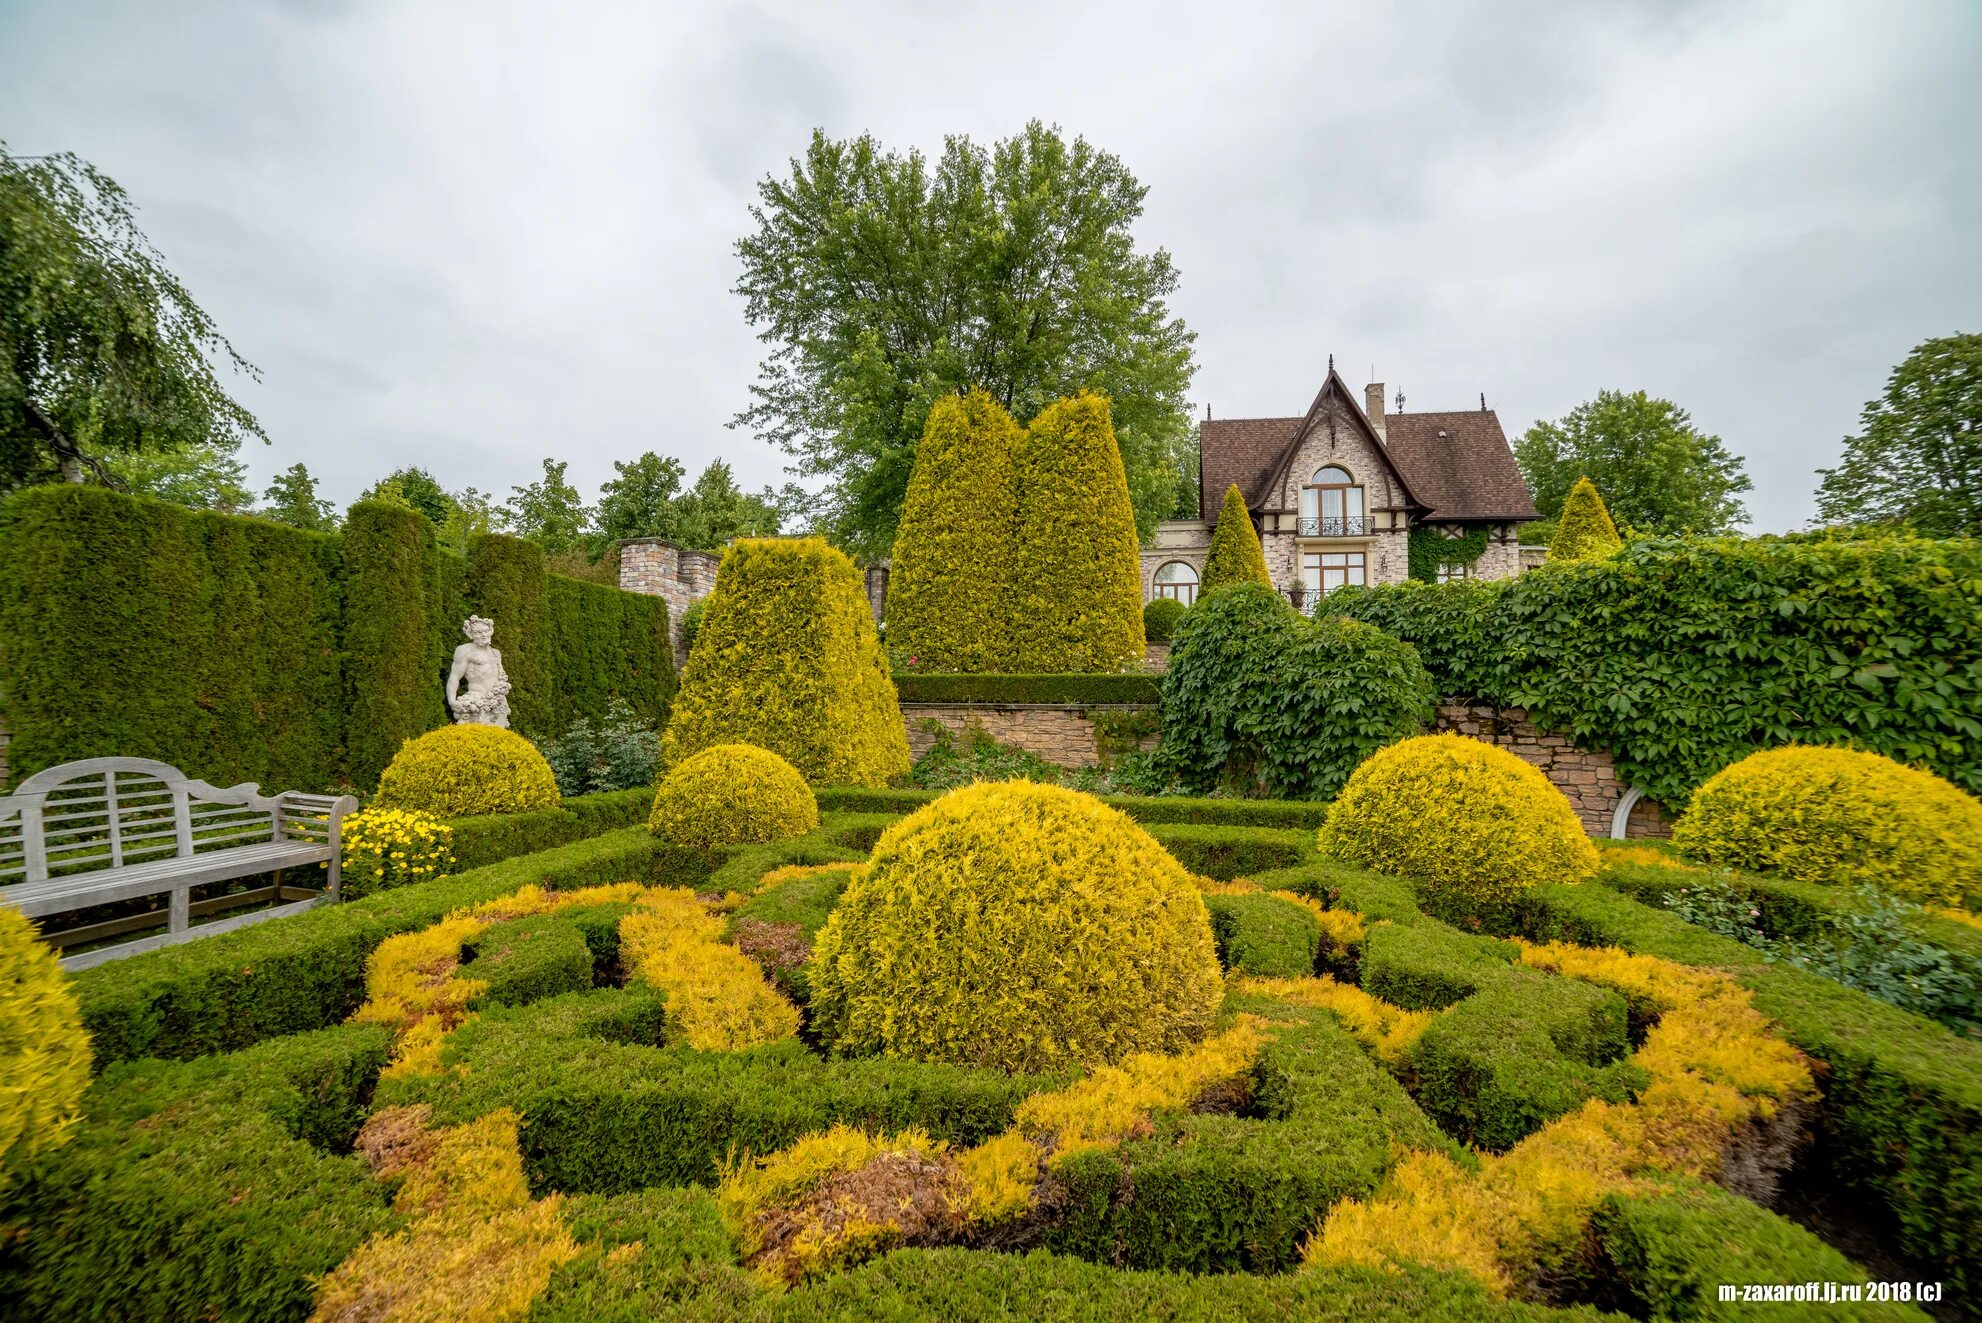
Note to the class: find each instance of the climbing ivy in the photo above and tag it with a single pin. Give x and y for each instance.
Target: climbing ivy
(1430, 549)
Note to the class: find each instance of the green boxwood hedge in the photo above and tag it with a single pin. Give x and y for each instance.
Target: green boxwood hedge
(1139, 690)
(1284, 813)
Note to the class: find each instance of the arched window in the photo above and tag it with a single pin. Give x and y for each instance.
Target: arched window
(1177, 580)
(1332, 505)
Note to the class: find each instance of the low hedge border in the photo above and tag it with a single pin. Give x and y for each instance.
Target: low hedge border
(1137, 690)
(494, 837)
(1290, 814)
(1901, 1114)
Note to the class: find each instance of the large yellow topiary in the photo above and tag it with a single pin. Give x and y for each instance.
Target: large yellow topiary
(44, 1050)
(787, 658)
(1019, 926)
(1840, 816)
(459, 771)
(1462, 817)
(1235, 555)
(732, 794)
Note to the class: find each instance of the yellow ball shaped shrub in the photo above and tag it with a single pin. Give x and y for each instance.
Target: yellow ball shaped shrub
(1462, 817)
(1018, 926)
(459, 771)
(44, 1050)
(1840, 816)
(732, 794)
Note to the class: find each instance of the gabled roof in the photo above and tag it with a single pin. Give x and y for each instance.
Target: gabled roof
(1449, 465)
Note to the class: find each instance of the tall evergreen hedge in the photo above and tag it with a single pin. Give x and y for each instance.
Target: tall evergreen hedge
(1073, 568)
(239, 649)
(948, 608)
(507, 583)
(1681, 656)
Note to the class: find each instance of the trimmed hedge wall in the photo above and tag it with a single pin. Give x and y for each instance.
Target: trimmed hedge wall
(239, 649)
(1284, 813)
(494, 837)
(1681, 656)
(1132, 689)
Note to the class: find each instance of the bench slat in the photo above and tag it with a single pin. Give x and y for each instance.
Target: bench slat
(58, 895)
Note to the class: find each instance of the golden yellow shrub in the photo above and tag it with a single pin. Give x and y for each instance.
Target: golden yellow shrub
(44, 1050)
(1113, 1103)
(1019, 926)
(1388, 1031)
(462, 770)
(1459, 816)
(718, 998)
(1843, 817)
(732, 794)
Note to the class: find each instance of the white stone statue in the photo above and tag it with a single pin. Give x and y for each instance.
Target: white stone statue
(485, 701)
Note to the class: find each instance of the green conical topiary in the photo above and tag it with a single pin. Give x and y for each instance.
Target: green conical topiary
(786, 658)
(1584, 532)
(1235, 556)
(1073, 571)
(947, 603)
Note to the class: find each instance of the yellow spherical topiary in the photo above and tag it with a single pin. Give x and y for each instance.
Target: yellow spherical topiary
(1462, 817)
(1018, 926)
(44, 1050)
(732, 794)
(1840, 816)
(463, 770)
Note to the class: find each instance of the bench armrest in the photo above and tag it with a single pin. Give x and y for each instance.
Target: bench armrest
(315, 816)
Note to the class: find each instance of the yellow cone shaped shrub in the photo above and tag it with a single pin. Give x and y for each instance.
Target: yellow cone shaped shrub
(1585, 530)
(44, 1050)
(1843, 817)
(1019, 926)
(1072, 565)
(787, 658)
(458, 771)
(732, 794)
(1235, 555)
(948, 608)
(1460, 816)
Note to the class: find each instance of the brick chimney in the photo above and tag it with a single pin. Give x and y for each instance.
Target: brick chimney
(1373, 397)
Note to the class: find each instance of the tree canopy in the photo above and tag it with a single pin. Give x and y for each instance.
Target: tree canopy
(548, 512)
(1917, 459)
(102, 350)
(292, 500)
(644, 499)
(882, 281)
(1658, 472)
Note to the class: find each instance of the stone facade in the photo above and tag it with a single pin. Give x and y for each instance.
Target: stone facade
(1065, 734)
(1588, 778)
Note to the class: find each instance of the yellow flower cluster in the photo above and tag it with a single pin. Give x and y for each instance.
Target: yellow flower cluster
(476, 1248)
(391, 847)
(1388, 1031)
(1461, 816)
(1715, 1067)
(44, 1050)
(718, 999)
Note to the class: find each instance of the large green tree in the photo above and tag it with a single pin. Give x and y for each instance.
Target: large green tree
(292, 500)
(548, 512)
(639, 499)
(645, 499)
(1658, 472)
(206, 476)
(882, 281)
(102, 350)
(415, 487)
(1917, 460)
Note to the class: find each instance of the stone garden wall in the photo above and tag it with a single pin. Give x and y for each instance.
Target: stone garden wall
(1588, 778)
(1069, 734)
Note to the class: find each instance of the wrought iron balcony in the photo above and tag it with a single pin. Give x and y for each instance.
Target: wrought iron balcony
(1339, 526)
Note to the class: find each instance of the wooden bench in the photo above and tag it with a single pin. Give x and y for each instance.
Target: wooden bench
(110, 829)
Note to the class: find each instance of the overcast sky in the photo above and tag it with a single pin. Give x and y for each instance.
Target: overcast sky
(466, 236)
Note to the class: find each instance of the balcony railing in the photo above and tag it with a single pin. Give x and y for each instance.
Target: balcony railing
(1341, 526)
(1303, 598)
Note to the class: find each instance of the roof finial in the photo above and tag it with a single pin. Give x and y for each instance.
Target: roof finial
(1400, 399)
(1331, 362)
(1483, 401)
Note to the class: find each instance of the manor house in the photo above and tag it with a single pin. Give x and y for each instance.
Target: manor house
(1339, 493)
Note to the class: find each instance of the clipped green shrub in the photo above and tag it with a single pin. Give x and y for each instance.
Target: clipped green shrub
(1017, 926)
(948, 605)
(392, 635)
(1160, 617)
(1462, 817)
(44, 1053)
(507, 583)
(1584, 530)
(1261, 699)
(467, 769)
(732, 794)
(606, 649)
(1452, 625)
(1072, 564)
(1235, 555)
(1842, 817)
(788, 660)
(691, 624)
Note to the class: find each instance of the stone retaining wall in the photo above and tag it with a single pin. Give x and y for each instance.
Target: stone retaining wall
(1063, 733)
(1588, 778)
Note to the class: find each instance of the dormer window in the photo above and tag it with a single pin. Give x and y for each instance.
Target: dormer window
(1332, 505)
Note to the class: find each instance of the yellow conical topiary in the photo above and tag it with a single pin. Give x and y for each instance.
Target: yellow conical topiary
(1235, 555)
(1585, 531)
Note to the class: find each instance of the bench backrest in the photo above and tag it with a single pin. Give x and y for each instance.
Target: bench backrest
(107, 812)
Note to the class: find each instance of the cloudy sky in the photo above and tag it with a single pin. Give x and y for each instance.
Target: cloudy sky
(467, 236)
